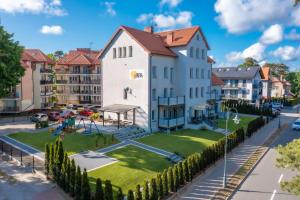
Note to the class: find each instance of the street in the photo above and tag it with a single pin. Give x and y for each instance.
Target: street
(264, 181)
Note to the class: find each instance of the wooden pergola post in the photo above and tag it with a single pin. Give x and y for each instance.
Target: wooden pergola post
(118, 120)
(133, 122)
(103, 118)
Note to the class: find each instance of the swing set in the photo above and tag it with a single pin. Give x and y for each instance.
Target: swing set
(88, 127)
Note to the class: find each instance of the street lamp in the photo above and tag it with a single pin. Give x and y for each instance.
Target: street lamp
(236, 120)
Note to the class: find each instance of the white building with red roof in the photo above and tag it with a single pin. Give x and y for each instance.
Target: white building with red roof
(165, 74)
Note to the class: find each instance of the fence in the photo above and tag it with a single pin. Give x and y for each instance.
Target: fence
(10, 152)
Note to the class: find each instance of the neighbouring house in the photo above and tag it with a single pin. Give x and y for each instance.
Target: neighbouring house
(160, 80)
(79, 78)
(266, 83)
(241, 83)
(35, 88)
(216, 92)
(280, 87)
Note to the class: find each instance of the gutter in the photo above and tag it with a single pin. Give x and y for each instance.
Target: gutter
(150, 93)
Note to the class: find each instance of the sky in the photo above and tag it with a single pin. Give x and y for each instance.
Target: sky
(268, 30)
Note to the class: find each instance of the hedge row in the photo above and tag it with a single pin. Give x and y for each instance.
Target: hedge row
(287, 101)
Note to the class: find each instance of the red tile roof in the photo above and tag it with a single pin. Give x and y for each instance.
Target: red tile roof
(80, 56)
(265, 73)
(36, 55)
(216, 80)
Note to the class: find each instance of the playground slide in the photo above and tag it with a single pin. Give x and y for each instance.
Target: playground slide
(58, 130)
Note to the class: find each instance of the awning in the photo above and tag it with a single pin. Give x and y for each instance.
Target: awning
(118, 108)
(201, 107)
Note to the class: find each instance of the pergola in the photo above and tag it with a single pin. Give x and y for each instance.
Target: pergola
(119, 109)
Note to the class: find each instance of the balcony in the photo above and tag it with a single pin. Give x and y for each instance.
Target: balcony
(46, 82)
(171, 101)
(171, 123)
(46, 71)
(61, 81)
(231, 86)
(12, 95)
(84, 73)
(84, 82)
(13, 109)
(46, 93)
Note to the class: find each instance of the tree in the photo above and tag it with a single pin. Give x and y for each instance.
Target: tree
(11, 70)
(296, 2)
(51, 158)
(181, 175)
(108, 192)
(85, 187)
(138, 193)
(160, 186)
(78, 184)
(186, 171)
(294, 79)
(153, 190)
(72, 181)
(130, 195)
(146, 191)
(249, 62)
(60, 155)
(99, 190)
(165, 182)
(58, 54)
(278, 69)
(171, 180)
(289, 158)
(47, 159)
(120, 195)
(68, 175)
(176, 177)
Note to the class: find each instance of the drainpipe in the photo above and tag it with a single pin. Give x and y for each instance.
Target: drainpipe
(150, 93)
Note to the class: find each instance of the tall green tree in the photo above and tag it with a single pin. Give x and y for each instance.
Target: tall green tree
(249, 62)
(165, 182)
(108, 192)
(85, 186)
(181, 174)
(171, 179)
(294, 79)
(289, 158)
(120, 195)
(160, 186)
(78, 184)
(11, 70)
(176, 177)
(153, 190)
(47, 159)
(138, 193)
(278, 69)
(99, 195)
(146, 191)
(51, 158)
(72, 181)
(130, 195)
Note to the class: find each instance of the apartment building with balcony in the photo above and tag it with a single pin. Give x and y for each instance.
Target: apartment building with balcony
(165, 74)
(35, 88)
(79, 78)
(241, 83)
(280, 87)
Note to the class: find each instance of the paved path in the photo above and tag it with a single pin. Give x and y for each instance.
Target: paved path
(21, 146)
(206, 185)
(264, 180)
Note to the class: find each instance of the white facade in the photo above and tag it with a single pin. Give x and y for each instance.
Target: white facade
(166, 89)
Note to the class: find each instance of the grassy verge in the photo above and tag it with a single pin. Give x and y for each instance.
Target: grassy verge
(244, 121)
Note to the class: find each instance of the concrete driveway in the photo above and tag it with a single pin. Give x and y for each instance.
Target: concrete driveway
(14, 127)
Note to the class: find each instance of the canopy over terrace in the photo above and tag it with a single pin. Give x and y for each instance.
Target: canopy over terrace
(119, 109)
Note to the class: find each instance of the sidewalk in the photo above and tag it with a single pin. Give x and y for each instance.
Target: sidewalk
(206, 185)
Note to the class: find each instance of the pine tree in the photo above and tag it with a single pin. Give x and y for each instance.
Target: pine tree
(186, 171)
(51, 158)
(108, 192)
(146, 191)
(85, 187)
(78, 184)
(160, 186)
(120, 195)
(72, 181)
(171, 179)
(181, 176)
(153, 190)
(130, 195)
(68, 174)
(176, 177)
(165, 182)
(99, 190)
(47, 159)
(138, 193)
(60, 156)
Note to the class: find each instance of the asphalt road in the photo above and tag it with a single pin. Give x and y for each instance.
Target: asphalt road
(264, 181)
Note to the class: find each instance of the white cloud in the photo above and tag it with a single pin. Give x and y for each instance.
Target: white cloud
(51, 30)
(170, 3)
(296, 17)
(239, 16)
(293, 35)
(287, 53)
(32, 6)
(255, 51)
(162, 21)
(272, 35)
(110, 8)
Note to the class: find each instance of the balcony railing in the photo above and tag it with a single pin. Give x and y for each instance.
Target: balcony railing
(77, 73)
(10, 109)
(48, 71)
(169, 101)
(170, 123)
(61, 81)
(86, 82)
(46, 93)
(46, 82)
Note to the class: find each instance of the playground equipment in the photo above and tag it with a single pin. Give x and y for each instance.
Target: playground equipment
(88, 127)
(67, 123)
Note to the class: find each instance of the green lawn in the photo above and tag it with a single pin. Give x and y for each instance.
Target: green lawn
(185, 142)
(73, 142)
(135, 165)
(244, 121)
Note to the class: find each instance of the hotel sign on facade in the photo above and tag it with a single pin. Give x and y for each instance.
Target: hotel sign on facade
(136, 74)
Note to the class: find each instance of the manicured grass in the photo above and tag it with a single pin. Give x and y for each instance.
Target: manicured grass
(73, 142)
(134, 166)
(185, 142)
(244, 121)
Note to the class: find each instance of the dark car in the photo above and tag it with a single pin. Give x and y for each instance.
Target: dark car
(39, 117)
(54, 116)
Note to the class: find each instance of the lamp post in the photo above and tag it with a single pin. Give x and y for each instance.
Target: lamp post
(236, 120)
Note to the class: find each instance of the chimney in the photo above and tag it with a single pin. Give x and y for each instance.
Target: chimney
(148, 29)
(170, 37)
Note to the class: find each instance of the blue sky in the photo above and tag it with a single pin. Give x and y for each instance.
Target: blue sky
(267, 30)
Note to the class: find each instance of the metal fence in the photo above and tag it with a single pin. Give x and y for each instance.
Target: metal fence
(10, 152)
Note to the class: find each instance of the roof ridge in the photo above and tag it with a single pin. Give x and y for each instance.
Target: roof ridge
(179, 29)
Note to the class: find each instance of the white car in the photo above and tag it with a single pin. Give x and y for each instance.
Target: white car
(277, 106)
(296, 125)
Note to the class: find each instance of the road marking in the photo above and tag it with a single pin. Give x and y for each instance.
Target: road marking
(280, 178)
(273, 195)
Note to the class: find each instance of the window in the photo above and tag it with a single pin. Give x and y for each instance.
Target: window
(197, 92)
(191, 73)
(197, 53)
(171, 74)
(172, 92)
(153, 94)
(197, 73)
(165, 72)
(198, 37)
(124, 52)
(165, 92)
(203, 54)
(208, 90)
(202, 73)
(244, 83)
(130, 51)
(120, 52)
(191, 93)
(208, 74)
(153, 115)
(114, 53)
(154, 72)
(202, 91)
(192, 52)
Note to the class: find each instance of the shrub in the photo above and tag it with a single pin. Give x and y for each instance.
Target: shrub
(99, 190)
(120, 195)
(85, 187)
(153, 190)
(129, 195)
(138, 193)
(171, 180)
(108, 192)
(146, 191)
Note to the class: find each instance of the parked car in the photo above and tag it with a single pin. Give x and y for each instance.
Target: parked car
(296, 125)
(95, 108)
(66, 114)
(86, 112)
(275, 112)
(54, 116)
(277, 106)
(78, 107)
(39, 117)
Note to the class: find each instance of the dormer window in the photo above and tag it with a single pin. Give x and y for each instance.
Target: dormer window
(191, 52)
(198, 37)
